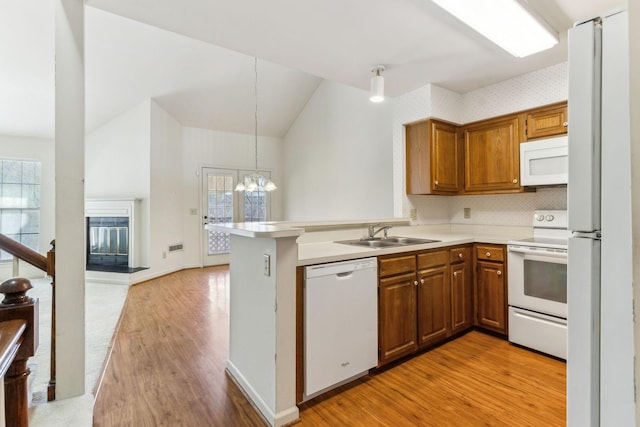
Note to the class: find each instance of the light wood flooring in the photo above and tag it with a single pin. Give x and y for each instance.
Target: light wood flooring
(169, 352)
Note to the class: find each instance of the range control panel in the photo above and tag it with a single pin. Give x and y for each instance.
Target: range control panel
(550, 219)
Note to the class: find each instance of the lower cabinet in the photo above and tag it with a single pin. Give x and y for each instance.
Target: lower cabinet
(461, 274)
(421, 301)
(396, 317)
(491, 288)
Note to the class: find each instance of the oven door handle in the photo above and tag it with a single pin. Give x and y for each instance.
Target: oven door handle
(539, 252)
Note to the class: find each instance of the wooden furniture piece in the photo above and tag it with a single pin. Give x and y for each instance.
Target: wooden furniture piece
(491, 287)
(433, 158)
(461, 276)
(492, 156)
(477, 158)
(547, 121)
(423, 299)
(17, 306)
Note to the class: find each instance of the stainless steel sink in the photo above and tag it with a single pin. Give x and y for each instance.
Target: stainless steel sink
(389, 242)
(409, 240)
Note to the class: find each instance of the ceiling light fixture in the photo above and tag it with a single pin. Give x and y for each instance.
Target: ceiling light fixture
(507, 23)
(255, 181)
(377, 84)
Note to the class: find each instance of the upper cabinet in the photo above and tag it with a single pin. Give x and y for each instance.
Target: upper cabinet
(478, 158)
(492, 155)
(546, 121)
(434, 157)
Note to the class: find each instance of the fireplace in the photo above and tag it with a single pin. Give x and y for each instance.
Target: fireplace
(111, 242)
(108, 241)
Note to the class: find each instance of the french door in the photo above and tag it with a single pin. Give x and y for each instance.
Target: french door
(220, 204)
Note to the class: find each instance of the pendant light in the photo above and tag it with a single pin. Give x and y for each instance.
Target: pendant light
(255, 181)
(377, 84)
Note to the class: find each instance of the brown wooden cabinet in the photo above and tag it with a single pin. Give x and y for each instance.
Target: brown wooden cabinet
(421, 302)
(397, 293)
(397, 328)
(492, 155)
(546, 121)
(433, 158)
(491, 287)
(461, 276)
(434, 297)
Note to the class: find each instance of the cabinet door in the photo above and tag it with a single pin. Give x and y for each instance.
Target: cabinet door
(433, 158)
(461, 296)
(547, 121)
(492, 156)
(446, 158)
(491, 296)
(433, 305)
(397, 317)
(418, 166)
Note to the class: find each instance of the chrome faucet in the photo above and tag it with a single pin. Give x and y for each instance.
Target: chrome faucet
(373, 231)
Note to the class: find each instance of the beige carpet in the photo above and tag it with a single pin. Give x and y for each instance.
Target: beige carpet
(103, 305)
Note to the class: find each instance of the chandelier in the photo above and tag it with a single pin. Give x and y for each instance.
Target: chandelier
(255, 181)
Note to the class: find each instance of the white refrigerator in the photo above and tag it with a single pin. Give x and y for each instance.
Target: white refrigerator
(600, 368)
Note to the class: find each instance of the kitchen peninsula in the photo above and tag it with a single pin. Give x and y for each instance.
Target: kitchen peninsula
(263, 262)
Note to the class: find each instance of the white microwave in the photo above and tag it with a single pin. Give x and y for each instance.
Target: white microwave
(544, 162)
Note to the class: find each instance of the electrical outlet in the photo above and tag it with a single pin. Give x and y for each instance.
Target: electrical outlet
(413, 214)
(267, 265)
(467, 213)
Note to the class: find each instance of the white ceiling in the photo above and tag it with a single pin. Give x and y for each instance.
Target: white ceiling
(194, 57)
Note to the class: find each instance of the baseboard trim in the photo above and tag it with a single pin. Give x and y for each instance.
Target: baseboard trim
(279, 419)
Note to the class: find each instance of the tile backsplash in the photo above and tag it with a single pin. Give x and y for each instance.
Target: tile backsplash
(506, 209)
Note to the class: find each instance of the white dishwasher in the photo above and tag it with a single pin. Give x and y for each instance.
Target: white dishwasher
(340, 323)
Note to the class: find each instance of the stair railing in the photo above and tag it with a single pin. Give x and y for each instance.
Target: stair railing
(46, 264)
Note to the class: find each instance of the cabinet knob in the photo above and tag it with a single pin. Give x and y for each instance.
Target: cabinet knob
(565, 124)
(455, 273)
(435, 182)
(499, 273)
(488, 254)
(422, 281)
(415, 283)
(515, 181)
(460, 255)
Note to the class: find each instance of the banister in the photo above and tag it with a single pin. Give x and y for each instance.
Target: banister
(10, 338)
(19, 250)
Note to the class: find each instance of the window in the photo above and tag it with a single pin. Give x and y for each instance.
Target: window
(222, 204)
(20, 203)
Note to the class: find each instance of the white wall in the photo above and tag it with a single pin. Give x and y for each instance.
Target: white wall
(42, 150)
(534, 89)
(165, 202)
(337, 157)
(216, 149)
(118, 165)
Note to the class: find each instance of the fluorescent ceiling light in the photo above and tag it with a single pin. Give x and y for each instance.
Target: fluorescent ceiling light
(505, 22)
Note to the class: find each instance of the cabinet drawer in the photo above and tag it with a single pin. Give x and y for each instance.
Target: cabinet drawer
(433, 259)
(459, 255)
(490, 252)
(396, 265)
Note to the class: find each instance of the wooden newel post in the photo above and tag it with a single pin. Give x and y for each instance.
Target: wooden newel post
(17, 305)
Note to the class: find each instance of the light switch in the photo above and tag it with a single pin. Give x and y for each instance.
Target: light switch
(267, 265)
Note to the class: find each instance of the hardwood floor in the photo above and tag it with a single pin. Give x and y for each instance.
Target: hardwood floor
(168, 359)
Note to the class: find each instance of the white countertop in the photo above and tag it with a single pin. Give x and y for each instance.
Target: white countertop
(256, 229)
(319, 247)
(322, 252)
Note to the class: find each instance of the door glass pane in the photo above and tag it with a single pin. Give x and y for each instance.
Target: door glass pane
(546, 280)
(219, 210)
(255, 206)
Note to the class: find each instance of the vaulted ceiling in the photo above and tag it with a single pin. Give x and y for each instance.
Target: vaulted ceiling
(195, 57)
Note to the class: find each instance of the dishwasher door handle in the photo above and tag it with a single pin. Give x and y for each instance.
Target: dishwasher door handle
(344, 275)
